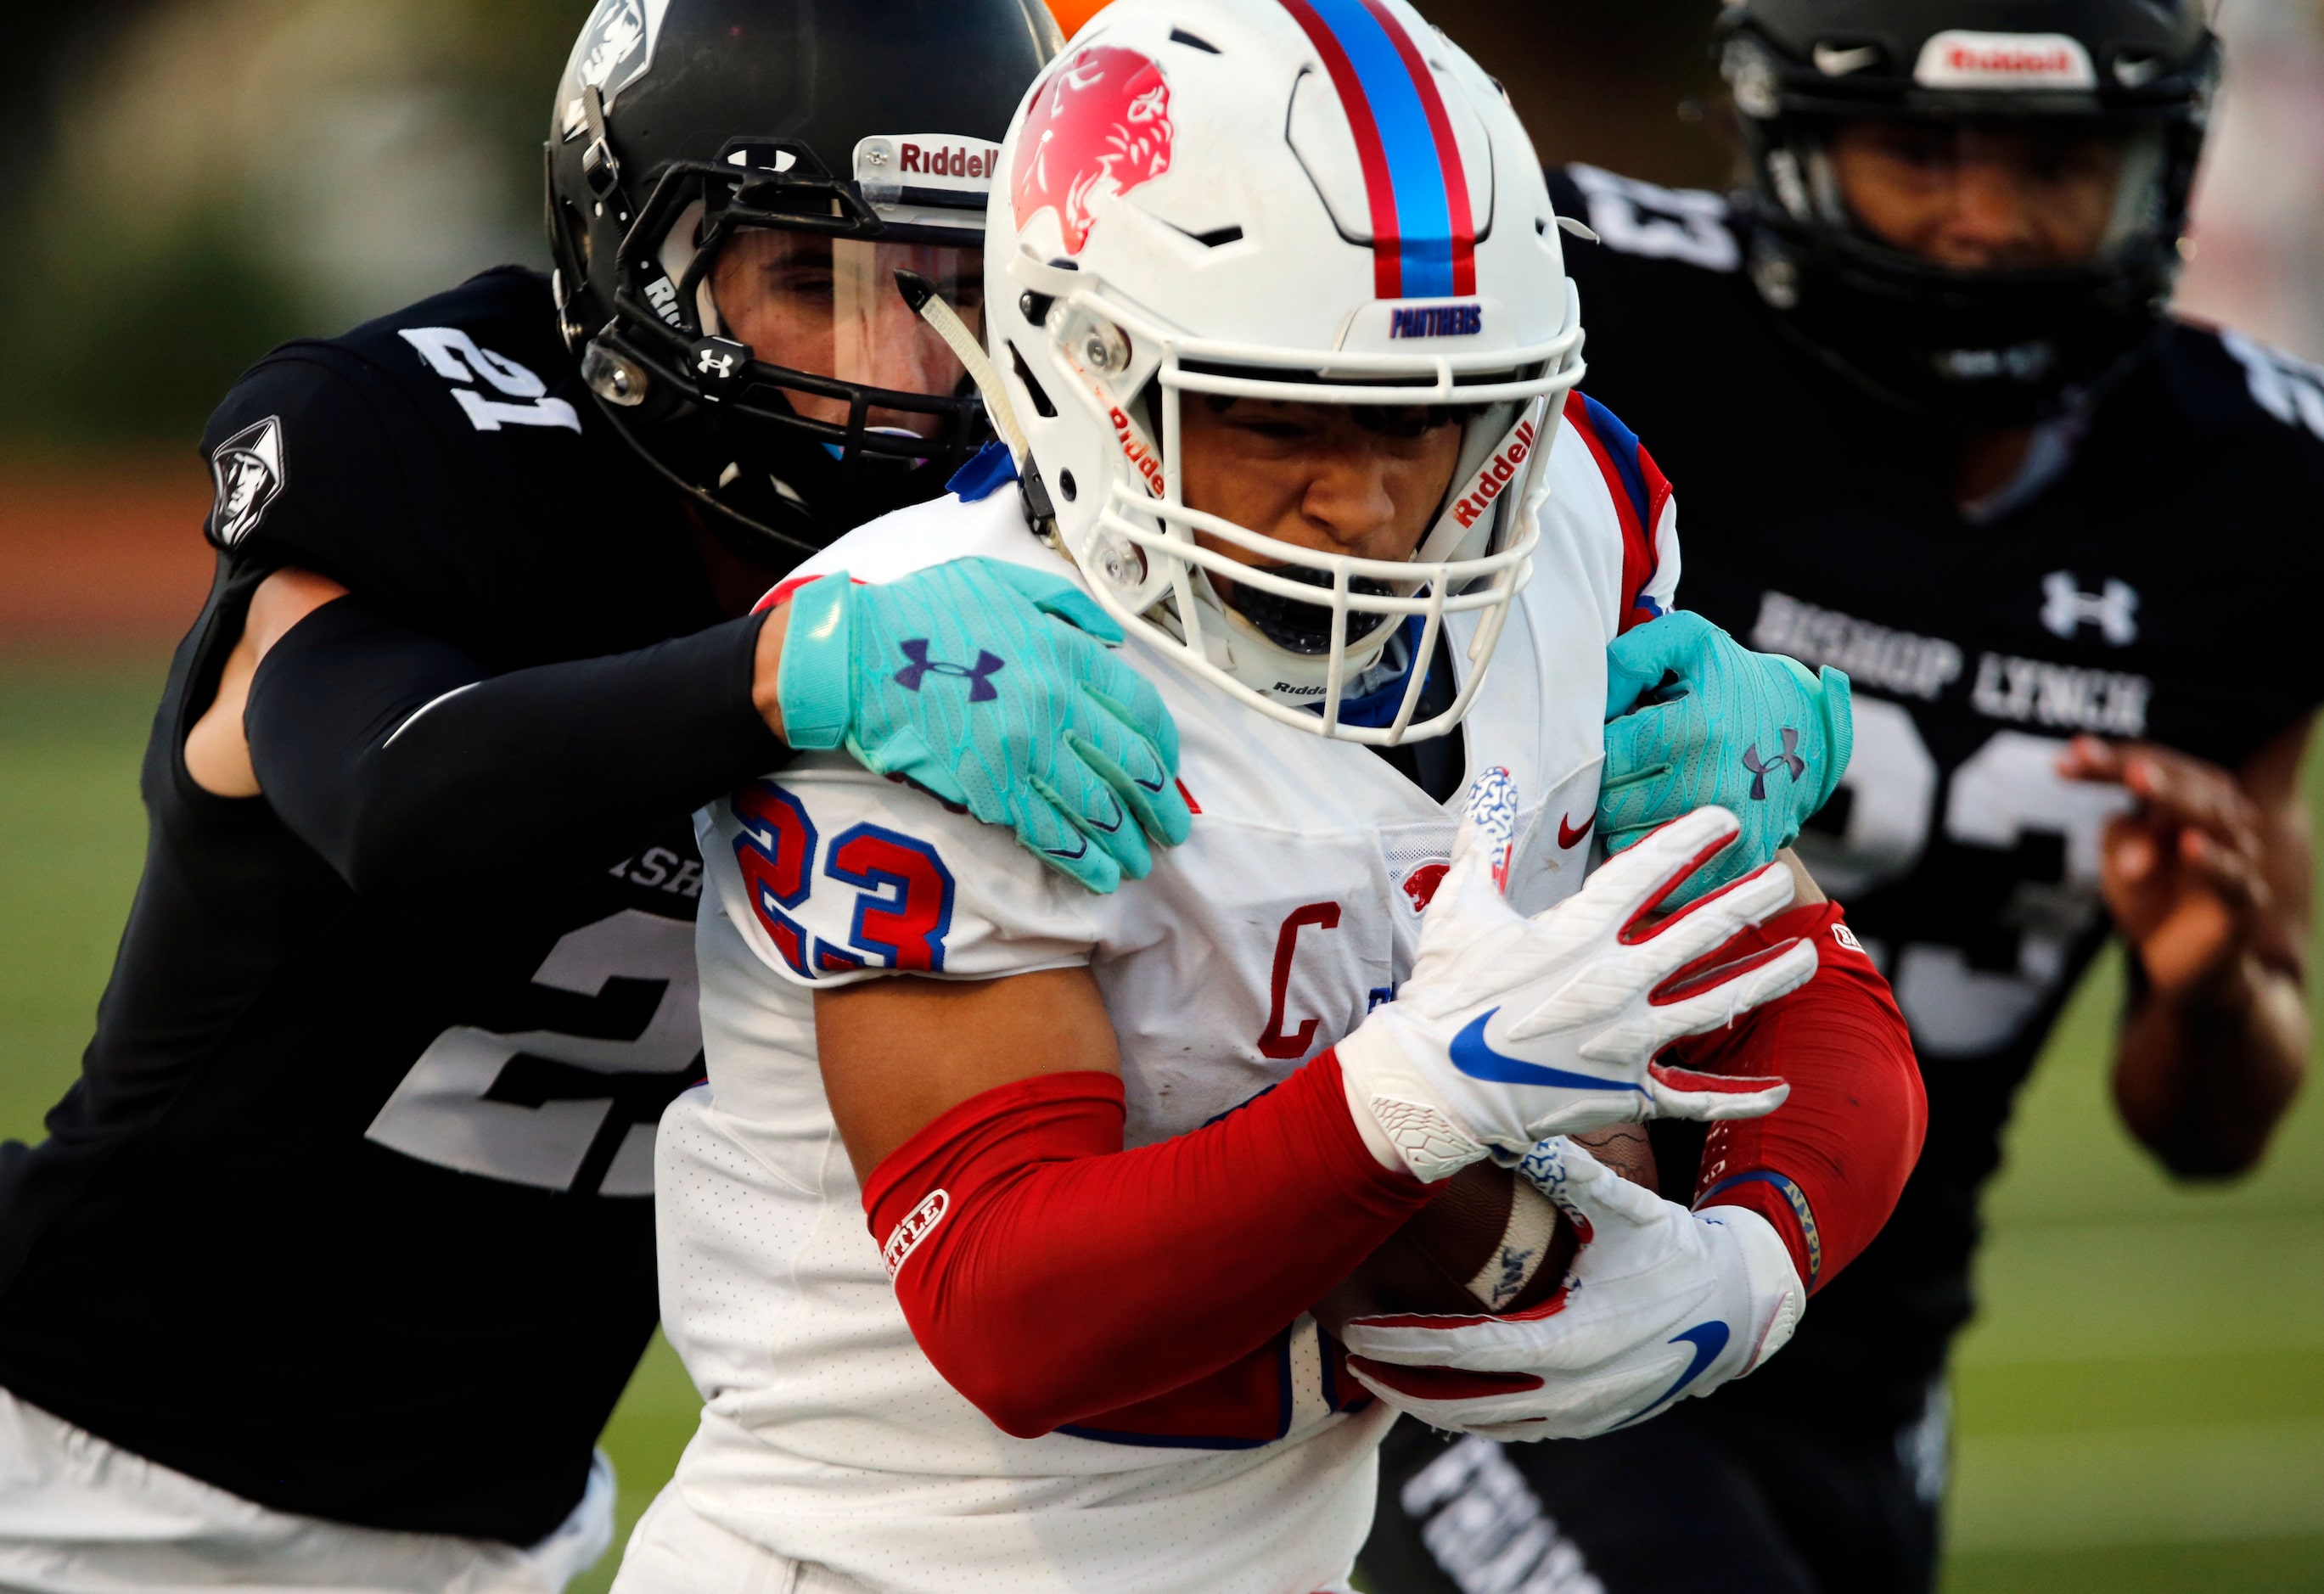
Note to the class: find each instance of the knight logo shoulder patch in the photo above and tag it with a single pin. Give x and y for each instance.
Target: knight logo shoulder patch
(248, 471)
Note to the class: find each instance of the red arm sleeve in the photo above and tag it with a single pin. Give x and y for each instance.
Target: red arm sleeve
(1052, 1277)
(1827, 1166)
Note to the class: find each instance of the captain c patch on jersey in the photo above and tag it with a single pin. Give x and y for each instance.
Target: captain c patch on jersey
(248, 470)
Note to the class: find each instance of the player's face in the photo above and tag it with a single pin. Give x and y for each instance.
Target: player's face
(1342, 479)
(1981, 197)
(830, 306)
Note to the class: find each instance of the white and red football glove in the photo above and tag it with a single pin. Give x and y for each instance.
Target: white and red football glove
(1513, 1030)
(1662, 1304)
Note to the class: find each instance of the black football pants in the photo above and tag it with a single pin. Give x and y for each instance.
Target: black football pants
(1701, 1501)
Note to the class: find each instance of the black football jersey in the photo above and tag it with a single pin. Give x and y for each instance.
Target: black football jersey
(349, 1212)
(2125, 594)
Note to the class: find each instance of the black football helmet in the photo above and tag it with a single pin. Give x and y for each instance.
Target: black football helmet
(1975, 347)
(733, 185)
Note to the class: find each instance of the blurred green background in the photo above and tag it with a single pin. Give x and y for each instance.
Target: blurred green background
(188, 182)
(2141, 1406)
(185, 182)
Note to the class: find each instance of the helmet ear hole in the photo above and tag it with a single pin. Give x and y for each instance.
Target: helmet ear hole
(576, 232)
(1042, 407)
(1066, 485)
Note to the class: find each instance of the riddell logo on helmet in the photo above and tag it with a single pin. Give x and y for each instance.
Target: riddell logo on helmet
(2007, 61)
(1136, 450)
(1499, 471)
(1960, 58)
(956, 163)
(914, 160)
(1102, 117)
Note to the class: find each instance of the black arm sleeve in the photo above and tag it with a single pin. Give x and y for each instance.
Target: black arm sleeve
(389, 753)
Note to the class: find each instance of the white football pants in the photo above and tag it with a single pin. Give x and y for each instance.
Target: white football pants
(80, 1515)
(676, 1552)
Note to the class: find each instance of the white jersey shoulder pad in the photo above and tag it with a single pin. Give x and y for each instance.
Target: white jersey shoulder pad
(933, 533)
(1610, 500)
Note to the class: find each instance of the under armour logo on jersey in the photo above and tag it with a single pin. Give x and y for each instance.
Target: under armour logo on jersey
(979, 676)
(2066, 608)
(1789, 759)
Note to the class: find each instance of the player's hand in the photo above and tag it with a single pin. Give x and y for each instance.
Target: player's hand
(1511, 1029)
(1753, 732)
(990, 685)
(1662, 1304)
(2184, 874)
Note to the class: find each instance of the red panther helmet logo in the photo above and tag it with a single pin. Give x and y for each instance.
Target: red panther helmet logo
(1102, 117)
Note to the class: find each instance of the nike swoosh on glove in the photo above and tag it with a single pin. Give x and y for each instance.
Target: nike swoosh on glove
(1661, 1305)
(1512, 1029)
(990, 685)
(1754, 732)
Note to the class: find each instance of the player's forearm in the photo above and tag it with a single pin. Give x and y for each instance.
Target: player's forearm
(396, 758)
(2203, 1078)
(1827, 1166)
(1052, 1277)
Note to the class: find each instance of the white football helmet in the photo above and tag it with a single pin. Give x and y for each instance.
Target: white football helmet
(1320, 201)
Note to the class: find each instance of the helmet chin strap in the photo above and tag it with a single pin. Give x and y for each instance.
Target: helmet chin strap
(1235, 643)
(928, 303)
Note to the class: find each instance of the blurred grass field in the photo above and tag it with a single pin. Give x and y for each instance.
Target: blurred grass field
(2140, 1408)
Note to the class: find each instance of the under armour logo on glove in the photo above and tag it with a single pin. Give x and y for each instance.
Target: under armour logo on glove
(980, 688)
(1788, 759)
(2066, 608)
(1687, 710)
(1061, 739)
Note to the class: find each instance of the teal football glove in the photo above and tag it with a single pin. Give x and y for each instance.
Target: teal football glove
(1754, 732)
(984, 682)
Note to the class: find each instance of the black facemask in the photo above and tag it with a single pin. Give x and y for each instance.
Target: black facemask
(1304, 628)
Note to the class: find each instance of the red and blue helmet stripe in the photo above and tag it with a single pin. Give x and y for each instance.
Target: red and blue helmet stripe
(1424, 238)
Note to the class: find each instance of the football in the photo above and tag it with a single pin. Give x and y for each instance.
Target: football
(1489, 1241)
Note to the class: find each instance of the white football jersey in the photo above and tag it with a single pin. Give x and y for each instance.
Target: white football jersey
(1290, 911)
